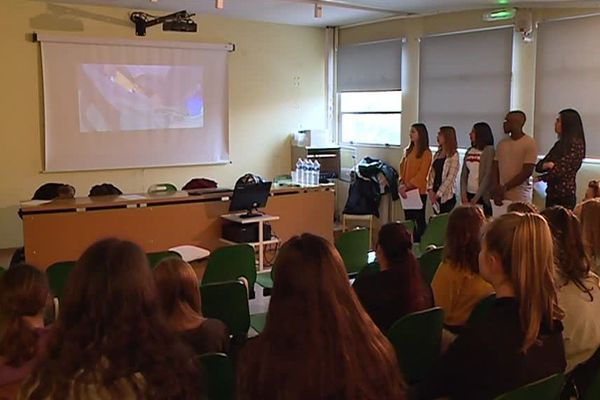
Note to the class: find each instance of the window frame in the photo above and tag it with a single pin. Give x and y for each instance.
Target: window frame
(341, 113)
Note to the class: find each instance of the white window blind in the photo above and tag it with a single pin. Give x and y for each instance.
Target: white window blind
(568, 76)
(465, 78)
(369, 66)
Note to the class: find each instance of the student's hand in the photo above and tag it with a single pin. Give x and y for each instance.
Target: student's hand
(499, 195)
(548, 165)
(464, 200)
(433, 197)
(473, 202)
(402, 191)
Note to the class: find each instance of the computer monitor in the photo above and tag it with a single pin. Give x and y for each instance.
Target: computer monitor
(249, 198)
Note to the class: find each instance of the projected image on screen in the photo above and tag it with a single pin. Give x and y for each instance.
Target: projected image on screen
(139, 97)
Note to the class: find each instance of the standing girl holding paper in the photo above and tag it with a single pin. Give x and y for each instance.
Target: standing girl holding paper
(414, 168)
(442, 177)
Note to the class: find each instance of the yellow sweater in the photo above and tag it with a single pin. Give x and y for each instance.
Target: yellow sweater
(414, 171)
(458, 291)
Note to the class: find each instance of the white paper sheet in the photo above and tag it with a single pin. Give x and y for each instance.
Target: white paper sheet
(500, 210)
(33, 203)
(132, 197)
(412, 201)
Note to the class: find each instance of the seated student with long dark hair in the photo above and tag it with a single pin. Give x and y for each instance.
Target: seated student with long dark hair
(110, 340)
(179, 296)
(578, 288)
(457, 285)
(398, 288)
(24, 296)
(520, 340)
(318, 342)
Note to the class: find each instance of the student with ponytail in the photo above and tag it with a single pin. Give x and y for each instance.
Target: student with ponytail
(578, 288)
(398, 288)
(520, 340)
(24, 296)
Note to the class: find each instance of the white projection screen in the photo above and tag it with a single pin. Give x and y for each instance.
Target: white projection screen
(111, 104)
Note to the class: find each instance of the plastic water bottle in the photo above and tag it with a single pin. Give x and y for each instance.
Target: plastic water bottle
(310, 172)
(318, 172)
(303, 172)
(297, 177)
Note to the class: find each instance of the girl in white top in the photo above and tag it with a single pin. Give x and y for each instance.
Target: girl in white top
(578, 288)
(441, 182)
(476, 173)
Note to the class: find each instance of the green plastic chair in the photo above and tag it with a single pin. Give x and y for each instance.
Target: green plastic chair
(58, 275)
(265, 281)
(547, 389)
(231, 263)
(228, 302)
(162, 188)
(155, 258)
(219, 376)
(592, 392)
(417, 339)
(410, 226)
(429, 262)
(258, 322)
(482, 309)
(353, 246)
(435, 233)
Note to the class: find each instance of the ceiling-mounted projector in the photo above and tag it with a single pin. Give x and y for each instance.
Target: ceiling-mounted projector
(180, 21)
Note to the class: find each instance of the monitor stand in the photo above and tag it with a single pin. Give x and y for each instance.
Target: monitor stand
(251, 214)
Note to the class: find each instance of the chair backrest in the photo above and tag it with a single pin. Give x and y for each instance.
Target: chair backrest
(548, 389)
(228, 302)
(219, 376)
(429, 262)
(162, 188)
(588, 380)
(482, 309)
(435, 233)
(58, 275)
(354, 249)
(230, 263)
(410, 226)
(157, 257)
(417, 340)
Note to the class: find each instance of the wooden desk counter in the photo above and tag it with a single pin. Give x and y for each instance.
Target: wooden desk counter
(62, 229)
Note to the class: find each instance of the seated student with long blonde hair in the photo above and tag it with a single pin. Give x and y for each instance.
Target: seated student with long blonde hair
(24, 297)
(179, 296)
(110, 340)
(318, 342)
(457, 286)
(578, 288)
(520, 340)
(589, 215)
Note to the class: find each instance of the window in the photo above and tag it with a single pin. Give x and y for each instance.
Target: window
(465, 78)
(370, 117)
(568, 76)
(369, 92)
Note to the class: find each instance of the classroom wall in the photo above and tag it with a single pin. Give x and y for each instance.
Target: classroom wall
(276, 86)
(413, 28)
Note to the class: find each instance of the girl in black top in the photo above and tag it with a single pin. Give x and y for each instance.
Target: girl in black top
(398, 288)
(560, 166)
(520, 340)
